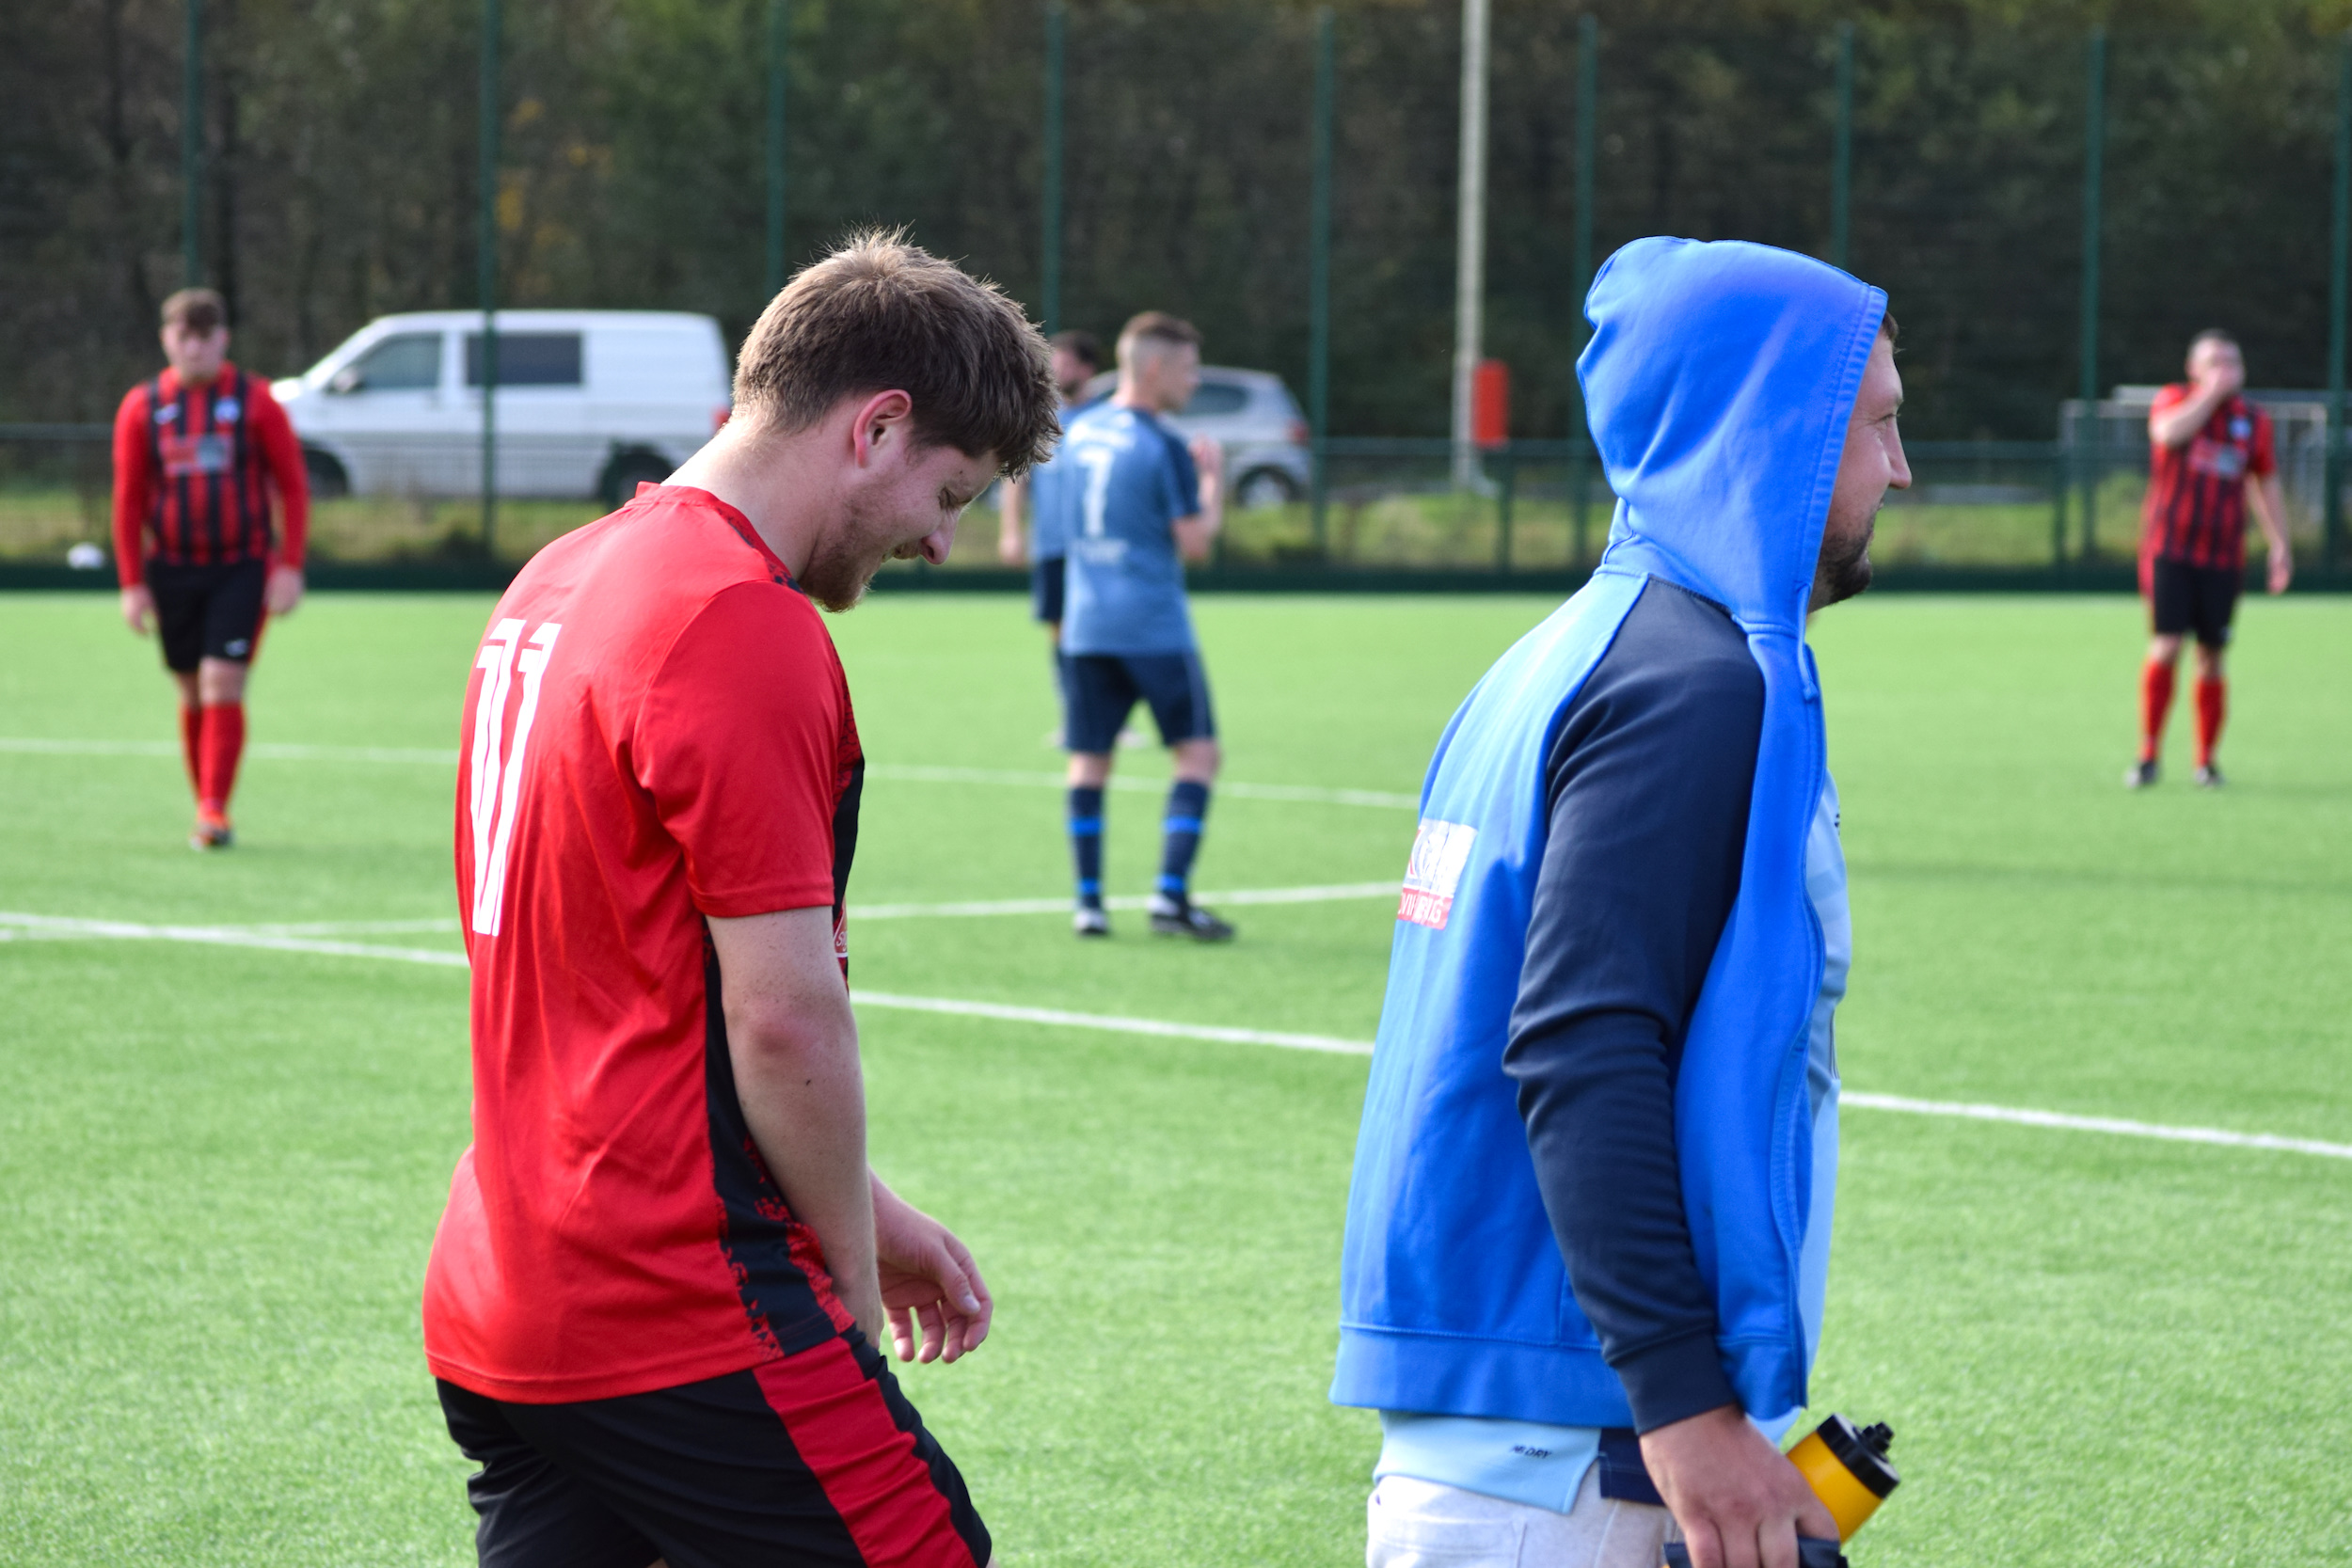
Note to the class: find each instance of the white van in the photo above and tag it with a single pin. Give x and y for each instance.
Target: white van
(590, 402)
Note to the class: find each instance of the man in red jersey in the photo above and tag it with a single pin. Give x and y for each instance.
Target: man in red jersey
(199, 451)
(2209, 455)
(654, 1297)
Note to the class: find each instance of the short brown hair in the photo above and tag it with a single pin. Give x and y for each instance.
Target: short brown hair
(1159, 326)
(1080, 344)
(197, 310)
(879, 315)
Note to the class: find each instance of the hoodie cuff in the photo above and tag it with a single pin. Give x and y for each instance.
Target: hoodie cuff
(1674, 1379)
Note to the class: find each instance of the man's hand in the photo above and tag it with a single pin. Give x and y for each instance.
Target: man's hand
(139, 608)
(1208, 456)
(1739, 1500)
(2282, 570)
(2223, 380)
(283, 591)
(927, 1280)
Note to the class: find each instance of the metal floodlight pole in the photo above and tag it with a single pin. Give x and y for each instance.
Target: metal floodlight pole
(1587, 130)
(192, 152)
(1469, 238)
(1841, 153)
(1049, 269)
(2337, 283)
(1319, 270)
(779, 24)
(2094, 155)
(486, 265)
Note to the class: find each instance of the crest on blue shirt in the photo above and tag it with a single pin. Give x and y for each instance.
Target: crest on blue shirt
(225, 411)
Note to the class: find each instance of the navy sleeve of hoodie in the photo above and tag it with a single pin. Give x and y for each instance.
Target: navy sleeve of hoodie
(1648, 782)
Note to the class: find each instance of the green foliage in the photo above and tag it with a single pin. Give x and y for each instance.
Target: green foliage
(342, 173)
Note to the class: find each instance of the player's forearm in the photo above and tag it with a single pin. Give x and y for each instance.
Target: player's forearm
(2271, 513)
(803, 1100)
(2175, 426)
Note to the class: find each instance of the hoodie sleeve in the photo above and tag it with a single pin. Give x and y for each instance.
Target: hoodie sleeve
(1648, 785)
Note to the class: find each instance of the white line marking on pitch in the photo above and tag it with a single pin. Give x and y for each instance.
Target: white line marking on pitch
(2095, 1124)
(1060, 1018)
(1334, 894)
(57, 926)
(893, 773)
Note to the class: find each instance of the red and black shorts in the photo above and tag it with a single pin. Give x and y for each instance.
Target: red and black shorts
(209, 612)
(2184, 599)
(814, 1459)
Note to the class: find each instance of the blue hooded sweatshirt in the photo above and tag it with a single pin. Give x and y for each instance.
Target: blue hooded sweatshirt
(1720, 380)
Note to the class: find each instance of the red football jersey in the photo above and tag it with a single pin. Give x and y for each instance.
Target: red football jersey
(656, 730)
(194, 469)
(2196, 509)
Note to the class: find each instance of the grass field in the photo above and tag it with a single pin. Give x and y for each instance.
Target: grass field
(222, 1164)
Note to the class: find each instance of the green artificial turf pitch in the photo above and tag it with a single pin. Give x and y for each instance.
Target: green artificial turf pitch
(220, 1166)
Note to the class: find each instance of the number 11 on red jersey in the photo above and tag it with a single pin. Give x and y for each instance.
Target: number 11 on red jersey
(497, 766)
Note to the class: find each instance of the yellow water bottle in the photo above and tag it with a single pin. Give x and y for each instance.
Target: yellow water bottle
(1848, 1469)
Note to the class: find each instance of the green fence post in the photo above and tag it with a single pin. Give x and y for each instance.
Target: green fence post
(487, 264)
(2332, 511)
(1049, 270)
(2088, 450)
(1319, 278)
(779, 24)
(1587, 119)
(192, 152)
(1841, 153)
(1510, 464)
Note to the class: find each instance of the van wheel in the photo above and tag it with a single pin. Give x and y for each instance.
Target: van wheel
(624, 473)
(327, 480)
(1265, 487)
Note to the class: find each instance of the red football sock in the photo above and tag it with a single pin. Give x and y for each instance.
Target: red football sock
(2212, 707)
(192, 746)
(223, 744)
(2155, 703)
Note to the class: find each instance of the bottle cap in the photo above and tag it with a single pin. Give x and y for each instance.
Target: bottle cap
(1863, 1452)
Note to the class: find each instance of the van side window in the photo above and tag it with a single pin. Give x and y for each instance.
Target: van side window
(1217, 397)
(528, 359)
(405, 362)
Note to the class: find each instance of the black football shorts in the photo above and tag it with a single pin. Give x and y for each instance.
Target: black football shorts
(211, 612)
(816, 1459)
(2185, 599)
(1105, 687)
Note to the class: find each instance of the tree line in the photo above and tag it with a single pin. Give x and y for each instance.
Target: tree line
(340, 173)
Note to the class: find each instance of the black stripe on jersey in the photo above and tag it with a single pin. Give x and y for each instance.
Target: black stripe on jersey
(215, 542)
(756, 1224)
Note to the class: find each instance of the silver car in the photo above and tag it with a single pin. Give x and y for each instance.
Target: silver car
(1254, 418)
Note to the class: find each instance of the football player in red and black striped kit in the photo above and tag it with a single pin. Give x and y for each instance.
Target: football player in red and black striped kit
(199, 451)
(2211, 455)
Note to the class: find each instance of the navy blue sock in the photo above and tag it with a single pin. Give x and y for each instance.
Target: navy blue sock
(1188, 804)
(1086, 843)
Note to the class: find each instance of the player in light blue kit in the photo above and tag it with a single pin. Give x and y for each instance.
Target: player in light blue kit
(1137, 498)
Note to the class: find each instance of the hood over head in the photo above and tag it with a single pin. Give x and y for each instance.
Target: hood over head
(1717, 384)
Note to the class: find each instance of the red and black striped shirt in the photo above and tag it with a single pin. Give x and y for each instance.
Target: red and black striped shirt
(2196, 511)
(194, 470)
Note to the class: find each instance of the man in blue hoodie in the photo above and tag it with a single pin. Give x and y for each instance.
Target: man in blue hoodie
(1587, 1239)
